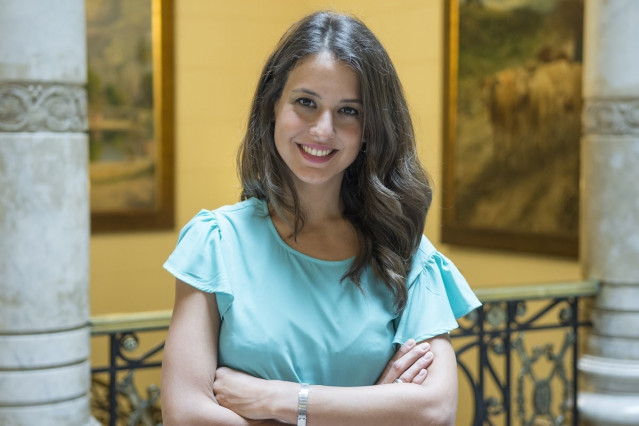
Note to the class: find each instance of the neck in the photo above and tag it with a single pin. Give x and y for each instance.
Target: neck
(318, 209)
(319, 204)
(326, 233)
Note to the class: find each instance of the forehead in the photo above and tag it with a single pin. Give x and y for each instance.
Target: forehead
(323, 71)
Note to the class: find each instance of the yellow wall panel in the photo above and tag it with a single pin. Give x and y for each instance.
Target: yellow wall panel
(220, 49)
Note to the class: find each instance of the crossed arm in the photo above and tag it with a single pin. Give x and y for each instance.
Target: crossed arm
(196, 392)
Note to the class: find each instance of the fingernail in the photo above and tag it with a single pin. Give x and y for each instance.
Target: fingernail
(428, 356)
(422, 373)
(424, 347)
(410, 343)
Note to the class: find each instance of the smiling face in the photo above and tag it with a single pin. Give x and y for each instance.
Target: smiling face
(318, 121)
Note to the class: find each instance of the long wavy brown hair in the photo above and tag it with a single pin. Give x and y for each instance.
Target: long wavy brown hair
(385, 192)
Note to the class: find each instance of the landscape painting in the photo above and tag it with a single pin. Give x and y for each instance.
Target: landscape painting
(130, 114)
(512, 108)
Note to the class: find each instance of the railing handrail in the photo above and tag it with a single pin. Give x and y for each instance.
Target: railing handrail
(122, 322)
(539, 291)
(157, 320)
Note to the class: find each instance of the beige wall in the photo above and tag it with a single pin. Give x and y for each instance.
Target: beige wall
(220, 48)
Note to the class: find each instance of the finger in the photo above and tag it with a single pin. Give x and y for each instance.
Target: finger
(403, 350)
(420, 377)
(399, 367)
(421, 364)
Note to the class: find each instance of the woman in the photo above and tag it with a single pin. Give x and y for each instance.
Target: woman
(322, 270)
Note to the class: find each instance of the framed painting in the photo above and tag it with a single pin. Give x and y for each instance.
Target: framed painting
(512, 124)
(130, 94)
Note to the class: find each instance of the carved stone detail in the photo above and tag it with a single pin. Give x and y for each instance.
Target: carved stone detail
(42, 107)
(611, 117)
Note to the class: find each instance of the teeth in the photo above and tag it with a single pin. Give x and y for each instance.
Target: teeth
(316, 152)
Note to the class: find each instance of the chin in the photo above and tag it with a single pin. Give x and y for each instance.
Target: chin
(315, 180)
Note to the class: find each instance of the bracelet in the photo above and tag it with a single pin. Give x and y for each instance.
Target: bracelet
(302, 403)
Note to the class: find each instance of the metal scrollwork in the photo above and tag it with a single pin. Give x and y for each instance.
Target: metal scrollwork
(542, 396)
(129, 342)
(512, 384)
(509, 383)
(493, 406)
(115, 399)
(42, 108)
(565, 315)
(497, 347)
(520, 309)
(143, 411)
(496, 315)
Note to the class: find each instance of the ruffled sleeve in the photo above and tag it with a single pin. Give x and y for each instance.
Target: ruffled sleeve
(438, 294)
(197, 259)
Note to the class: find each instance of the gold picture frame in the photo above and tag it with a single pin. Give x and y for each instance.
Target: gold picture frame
(512, 123)
(131, 116)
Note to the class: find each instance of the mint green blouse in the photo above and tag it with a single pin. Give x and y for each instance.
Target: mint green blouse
(288, 316)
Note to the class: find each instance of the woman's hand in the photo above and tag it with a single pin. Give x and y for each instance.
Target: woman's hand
(268, 401)
(409, 364)
(239, 392)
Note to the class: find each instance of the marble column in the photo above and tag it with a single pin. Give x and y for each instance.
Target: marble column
(44, 215)
(610, 211)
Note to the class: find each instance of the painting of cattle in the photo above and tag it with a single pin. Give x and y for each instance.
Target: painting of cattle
(512, 124)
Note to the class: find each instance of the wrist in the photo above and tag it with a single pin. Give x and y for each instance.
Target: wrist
(283, 401)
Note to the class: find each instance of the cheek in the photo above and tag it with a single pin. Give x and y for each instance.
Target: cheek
(354, 134)
(287, 125)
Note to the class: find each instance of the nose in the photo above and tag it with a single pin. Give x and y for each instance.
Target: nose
(322, 128)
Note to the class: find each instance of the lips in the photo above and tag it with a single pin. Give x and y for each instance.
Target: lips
(316, 154)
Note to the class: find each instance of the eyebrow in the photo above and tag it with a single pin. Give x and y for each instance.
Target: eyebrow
(310, 92)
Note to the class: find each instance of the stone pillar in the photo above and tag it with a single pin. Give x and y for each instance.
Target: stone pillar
(44, 215)
(610, 211)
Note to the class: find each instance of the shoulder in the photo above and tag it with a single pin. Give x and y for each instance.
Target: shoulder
(438, 294)
(232, 214)
(240, 212)
(433, 271)
(425, 250)
(249, 206)
(424, 255)
(207, 224)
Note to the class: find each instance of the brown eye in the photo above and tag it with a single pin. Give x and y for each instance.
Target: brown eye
(350, 111)
(305, 102)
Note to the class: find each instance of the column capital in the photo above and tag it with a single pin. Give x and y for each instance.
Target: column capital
(42, 107)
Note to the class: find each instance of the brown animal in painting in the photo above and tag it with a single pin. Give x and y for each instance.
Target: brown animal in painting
(534, 112)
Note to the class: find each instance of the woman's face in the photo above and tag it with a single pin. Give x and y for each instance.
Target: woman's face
(318, 120)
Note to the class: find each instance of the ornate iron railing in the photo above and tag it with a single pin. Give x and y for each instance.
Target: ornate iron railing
(115, 399)
(518, 354)
(517, 358)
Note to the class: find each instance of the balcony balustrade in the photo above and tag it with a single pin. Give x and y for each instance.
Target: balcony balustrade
(516, 355)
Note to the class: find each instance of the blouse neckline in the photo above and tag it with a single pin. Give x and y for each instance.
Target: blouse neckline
(280, 241)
